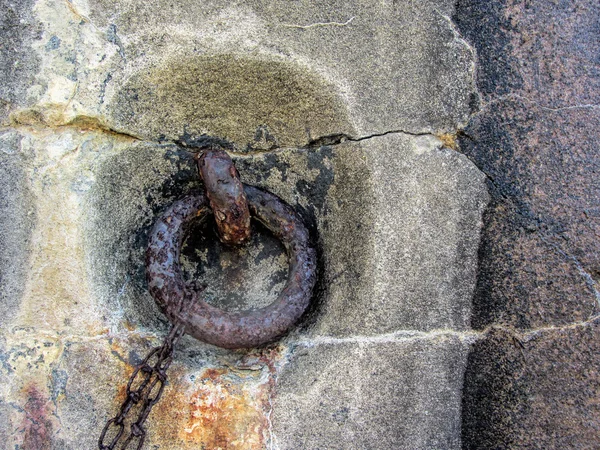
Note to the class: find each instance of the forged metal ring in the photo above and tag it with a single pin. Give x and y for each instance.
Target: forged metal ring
(213, 325)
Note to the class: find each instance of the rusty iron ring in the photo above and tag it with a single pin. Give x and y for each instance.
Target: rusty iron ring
(213, 325)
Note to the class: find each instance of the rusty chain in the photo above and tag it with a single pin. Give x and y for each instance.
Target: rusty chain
(145, 387)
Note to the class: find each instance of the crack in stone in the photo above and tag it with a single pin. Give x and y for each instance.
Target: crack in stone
(468, 336)
(340, 138)
(385, 133)
(319, 24)
(79, 123)
(329, 140)
(89, 122)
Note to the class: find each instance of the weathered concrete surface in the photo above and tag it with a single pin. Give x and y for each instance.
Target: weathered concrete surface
(85, 317)
(19, 29)
(536, 137)
(408, 260)
(426, 212)
(17, 215)
(350, 394)
(89, 160)
(262, 74)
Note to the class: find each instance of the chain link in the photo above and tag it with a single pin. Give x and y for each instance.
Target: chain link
(144, 389)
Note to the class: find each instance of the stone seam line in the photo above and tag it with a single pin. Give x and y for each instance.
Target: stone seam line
(396, 336)
(93, 124)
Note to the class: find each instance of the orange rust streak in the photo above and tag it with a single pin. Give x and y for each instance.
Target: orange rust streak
(218, 414)
(127, 369)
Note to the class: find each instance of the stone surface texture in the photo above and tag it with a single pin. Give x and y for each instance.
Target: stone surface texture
(532, 381)
(292, 71)
(354, 390)
(18, 64)
(346, 110)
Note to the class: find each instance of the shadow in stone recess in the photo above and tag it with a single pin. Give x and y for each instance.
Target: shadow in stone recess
(257, 103)
(133, 186)
(245, 101)
(234, 279)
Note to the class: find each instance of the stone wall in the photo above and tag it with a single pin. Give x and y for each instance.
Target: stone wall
(342, 109)
(353, 112)
(532, 381)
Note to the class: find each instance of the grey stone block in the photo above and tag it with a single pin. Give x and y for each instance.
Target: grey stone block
(369, 394)
(19, 63)
(420, 79)
(17, 218)
(286, 73)
(420, 270)
(396, 220)
(288, 78)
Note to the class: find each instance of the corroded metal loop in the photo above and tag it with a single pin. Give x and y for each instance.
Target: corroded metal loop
(208, 323)
(226, 195)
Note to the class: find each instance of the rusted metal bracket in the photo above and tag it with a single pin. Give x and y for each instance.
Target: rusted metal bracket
(225, 194)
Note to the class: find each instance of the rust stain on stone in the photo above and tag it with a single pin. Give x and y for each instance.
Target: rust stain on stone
(220, 413)
(127, 369)
(215, 408)
(130, 326)
(449, 140)
(223, 415)
(37, 426)
(222, 408)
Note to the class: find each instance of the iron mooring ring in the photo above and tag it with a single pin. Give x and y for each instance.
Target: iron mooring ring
(208, 323)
